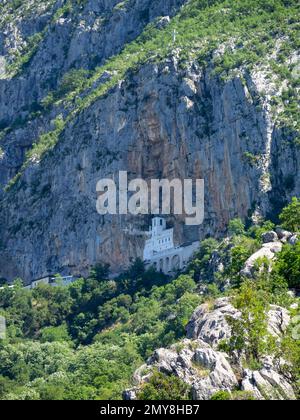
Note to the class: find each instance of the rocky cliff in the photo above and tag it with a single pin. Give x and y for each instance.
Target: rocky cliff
(81, 100)
(198, 361)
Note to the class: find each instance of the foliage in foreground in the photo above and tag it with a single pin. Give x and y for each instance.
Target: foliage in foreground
(163, 387)
(86, 340)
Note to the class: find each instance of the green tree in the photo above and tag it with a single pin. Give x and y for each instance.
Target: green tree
(137, 269)
(221, 396)
(290, 216)
(250, 331)
(163, 387)
(100, 272)
(200, 265)
(74, 79)
(236, 227)
(289, 352)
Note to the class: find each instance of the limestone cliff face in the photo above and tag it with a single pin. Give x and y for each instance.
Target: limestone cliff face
(161, 121)
(69, 37)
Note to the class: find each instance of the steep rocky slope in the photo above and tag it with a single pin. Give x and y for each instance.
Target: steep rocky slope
(198, 361)
(164, 107)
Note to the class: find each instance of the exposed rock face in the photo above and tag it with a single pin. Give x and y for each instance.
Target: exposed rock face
(221, 376)
(269, 237)
(268, 251)
(210, 324)
(85, 39)
(197, 361)
(272, 244)
(267, 384)
(132, 129)
(97, 31)
(278, 320)
(162, 121)
(197, 364)
(283, 235)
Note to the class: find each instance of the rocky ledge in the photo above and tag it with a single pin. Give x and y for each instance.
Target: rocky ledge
(198, 362)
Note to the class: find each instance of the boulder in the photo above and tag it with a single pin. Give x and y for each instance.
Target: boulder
(210, 324)
(163, 22)
(293, 240)
(207, 371)
(283, 235)
(270, 236)
(130, 394)
(268, 251)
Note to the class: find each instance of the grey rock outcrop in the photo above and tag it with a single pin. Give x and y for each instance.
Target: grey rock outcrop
(267, 251)
(197, 361)
(278, 320)
(163, 22)
(207, 371)
(293, 240)
(220, 377)
(283, 235)
(272, 244)
(209, 324)
(269, 237)
(267, 384)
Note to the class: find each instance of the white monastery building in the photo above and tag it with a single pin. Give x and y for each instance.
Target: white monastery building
(160, 251)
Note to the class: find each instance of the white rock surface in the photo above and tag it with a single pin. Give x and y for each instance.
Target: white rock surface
(220, 378)
(268, 251)
(267, 384)
(269, 237)
(278, 320)
(211, 325)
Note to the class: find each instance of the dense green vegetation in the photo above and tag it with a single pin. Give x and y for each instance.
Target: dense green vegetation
(162, 387)
(290, 216)
(250, 333)
(85, 341)
(234, 396)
